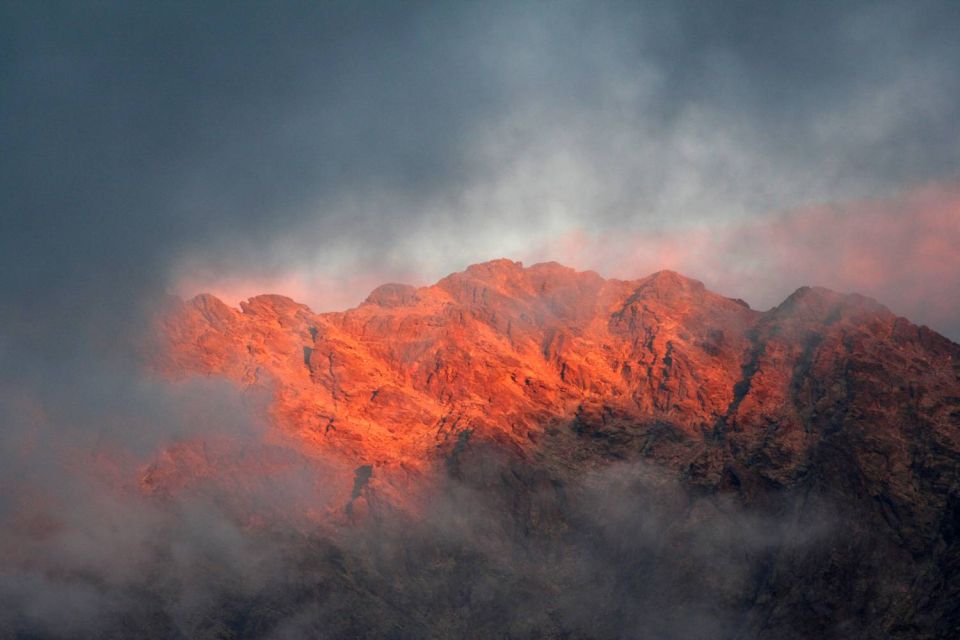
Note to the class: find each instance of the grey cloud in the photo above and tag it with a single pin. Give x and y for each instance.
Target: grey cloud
(625, 551)
(138, 135)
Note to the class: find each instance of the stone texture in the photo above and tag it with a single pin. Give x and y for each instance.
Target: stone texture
(517, 383)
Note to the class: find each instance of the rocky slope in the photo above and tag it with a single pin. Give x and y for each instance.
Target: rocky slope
(553, 454)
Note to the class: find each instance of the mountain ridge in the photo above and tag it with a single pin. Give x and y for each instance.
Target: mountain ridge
(514, 381)
(547, 320)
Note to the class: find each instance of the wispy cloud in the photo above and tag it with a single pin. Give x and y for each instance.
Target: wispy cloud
(901, 250)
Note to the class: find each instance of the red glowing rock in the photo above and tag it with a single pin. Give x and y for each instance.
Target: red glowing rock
(659, 367)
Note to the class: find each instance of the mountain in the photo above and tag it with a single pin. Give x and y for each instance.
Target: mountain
(541, 452)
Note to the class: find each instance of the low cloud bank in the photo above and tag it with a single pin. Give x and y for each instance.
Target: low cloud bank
(900, 250)
(624, 551)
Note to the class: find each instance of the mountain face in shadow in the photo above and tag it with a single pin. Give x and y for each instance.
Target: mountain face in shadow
(542, 453)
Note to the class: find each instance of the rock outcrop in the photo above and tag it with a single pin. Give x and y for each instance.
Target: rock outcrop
(820, 440)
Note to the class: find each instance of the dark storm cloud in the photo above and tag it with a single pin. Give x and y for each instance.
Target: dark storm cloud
(132, 131)
(261, 136)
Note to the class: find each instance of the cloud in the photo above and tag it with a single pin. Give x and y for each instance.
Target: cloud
(92, 544)
(900, 250)
(146, 144)
(624, 549)
(637, 120)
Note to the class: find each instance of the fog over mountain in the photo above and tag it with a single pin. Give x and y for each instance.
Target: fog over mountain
(156, 151)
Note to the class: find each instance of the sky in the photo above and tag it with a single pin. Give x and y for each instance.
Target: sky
(320, 149)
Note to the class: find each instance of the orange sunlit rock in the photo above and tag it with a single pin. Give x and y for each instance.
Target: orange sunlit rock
(509, 355)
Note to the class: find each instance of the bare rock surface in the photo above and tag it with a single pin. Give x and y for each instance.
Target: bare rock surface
(556, 454)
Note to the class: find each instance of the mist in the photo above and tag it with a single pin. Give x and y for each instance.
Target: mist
(630, 553)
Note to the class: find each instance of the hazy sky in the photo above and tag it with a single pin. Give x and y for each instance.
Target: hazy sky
(318, 149)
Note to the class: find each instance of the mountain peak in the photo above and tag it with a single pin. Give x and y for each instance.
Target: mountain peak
(501, 267)
(823, 304)
(392, 294)
(499, 343)
(516, 383)
(673, 278)
(666, 281)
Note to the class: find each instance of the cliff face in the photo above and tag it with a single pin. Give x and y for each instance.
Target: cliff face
(731, 473)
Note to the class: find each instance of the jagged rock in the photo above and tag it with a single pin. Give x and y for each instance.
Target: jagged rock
(827, 399)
